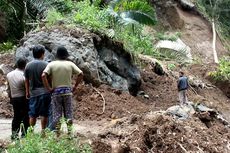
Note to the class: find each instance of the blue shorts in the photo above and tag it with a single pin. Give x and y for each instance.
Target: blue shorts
(39, 105)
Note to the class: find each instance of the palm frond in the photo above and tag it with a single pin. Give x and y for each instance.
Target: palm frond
(134, 17)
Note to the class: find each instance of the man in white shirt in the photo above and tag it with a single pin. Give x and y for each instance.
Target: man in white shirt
(17, 94)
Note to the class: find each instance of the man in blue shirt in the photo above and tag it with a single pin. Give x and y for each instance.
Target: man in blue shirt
(182, 86)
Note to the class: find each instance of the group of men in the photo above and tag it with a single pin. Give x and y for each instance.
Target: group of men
(42, 89)
(32, 86)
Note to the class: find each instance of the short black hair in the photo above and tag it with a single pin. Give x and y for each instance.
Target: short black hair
(62, 53)
(181, 72)
(38, 51)
(21, 63)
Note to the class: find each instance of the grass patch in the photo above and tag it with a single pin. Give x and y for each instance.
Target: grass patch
(34, 143)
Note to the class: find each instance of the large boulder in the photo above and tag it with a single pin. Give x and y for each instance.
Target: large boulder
(102, 60)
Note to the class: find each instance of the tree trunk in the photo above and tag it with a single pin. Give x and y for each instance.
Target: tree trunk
(214, 42)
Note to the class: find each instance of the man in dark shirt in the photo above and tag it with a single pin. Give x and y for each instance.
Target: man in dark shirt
(182, 86)
(39, 97)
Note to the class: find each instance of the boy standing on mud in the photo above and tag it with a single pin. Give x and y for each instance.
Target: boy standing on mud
(17, 94)
(60, 72)
(182, 86)
(39, 97)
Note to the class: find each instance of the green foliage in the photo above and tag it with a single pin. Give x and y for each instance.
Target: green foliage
(223, 71)
(171, 66)
(34, 143)
(132, 12)
(53, 16)
(63, 6)
(6, 47)
(135, 42)
(91, 17)
(96, 19)
(134, 5)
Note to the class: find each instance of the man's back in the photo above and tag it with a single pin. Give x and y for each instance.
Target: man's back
(182, 83)
(16, 81)
(33, 72)
(61, 72)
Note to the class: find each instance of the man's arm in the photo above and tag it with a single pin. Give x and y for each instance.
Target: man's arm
(78, 80)
(8, 89)
(46, 82)
(27, 86)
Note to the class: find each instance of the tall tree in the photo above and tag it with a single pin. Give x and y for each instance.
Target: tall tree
(218, 11)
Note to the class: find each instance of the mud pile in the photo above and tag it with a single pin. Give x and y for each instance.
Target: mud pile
(160, 133)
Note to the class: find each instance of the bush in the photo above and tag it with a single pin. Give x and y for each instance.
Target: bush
(6, 47)
(34, 143)
(91, 17)
(135, 42)
(53, 16)
(223, 71)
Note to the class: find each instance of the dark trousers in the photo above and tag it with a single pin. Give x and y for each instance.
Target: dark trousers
(21, 107)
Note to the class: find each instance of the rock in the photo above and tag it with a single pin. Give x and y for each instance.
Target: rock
(141, 93)
(176, 46)
(5, 69)
(203, 108)
(196, 83)
(183, 111)
(186, 4)
(101, 60)
(146, 96)
(157, 67)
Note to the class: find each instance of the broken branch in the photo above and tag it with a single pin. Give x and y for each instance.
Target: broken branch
(103, 110)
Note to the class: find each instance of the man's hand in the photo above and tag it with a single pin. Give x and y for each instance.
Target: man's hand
(78, 80)
(27, 95)
(46, 82)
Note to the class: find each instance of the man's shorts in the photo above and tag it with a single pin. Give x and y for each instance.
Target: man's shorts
(39, 105)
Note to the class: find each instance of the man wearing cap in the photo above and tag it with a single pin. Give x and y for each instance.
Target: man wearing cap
(61, 72)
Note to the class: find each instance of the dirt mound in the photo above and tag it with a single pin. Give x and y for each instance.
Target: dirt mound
(161, 93)
(89, 103)
(160, 133)
(168, 135)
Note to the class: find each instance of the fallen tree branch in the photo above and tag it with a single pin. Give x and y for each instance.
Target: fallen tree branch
(182, 148)
(193, 89)
(103, 110)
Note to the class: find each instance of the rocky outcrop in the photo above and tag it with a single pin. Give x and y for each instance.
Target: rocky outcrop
(102, 60)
